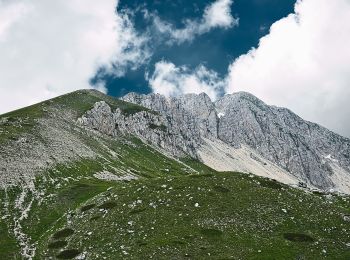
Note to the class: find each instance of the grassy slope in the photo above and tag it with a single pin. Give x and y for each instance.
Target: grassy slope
(156, 216)
(237, 218)
(8, 245)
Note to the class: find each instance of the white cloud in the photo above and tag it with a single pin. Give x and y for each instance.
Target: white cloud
(303, 64)
(10, 14)
(49, 48)
(170, 80)
(216, 15)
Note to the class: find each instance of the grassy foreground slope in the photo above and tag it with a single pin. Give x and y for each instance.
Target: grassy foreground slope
(207, 216)
(173, 210)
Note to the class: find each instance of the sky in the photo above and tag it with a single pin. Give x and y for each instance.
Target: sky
(288, 53)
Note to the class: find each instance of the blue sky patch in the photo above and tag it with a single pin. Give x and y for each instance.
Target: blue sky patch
(215, 49)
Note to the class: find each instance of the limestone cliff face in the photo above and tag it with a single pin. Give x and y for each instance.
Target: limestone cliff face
(304, 149)
(190, 112)
(167, 132)
(240, 131)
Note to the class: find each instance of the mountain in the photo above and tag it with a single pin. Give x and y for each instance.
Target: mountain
(239, 132)
(89, 176)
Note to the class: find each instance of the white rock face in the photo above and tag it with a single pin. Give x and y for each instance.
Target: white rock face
(170, 133)
(245, 135)
(284, 138)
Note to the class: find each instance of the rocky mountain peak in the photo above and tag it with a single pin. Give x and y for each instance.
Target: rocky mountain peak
(241, 120)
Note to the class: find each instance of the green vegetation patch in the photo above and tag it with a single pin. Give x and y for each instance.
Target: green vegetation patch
(108, 205)
(221, 189)
(9, 248)
(57, 244)
(298, 237)
(95, 217)
(68, 254)
(211, 232)
(15, 124)
(208, 175)
(272, 184)
(136, 211)
(67, 198)
(63, 233)
(87, 207)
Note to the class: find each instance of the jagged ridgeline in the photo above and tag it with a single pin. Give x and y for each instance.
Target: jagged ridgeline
(88, 176)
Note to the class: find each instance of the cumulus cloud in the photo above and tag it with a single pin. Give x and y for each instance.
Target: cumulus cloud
(49, 48)
(303, 64)
(169, 80)
(216, 15)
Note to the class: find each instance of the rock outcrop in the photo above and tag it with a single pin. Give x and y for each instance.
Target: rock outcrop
(167, 132)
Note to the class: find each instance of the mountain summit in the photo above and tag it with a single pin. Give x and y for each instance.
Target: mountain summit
(88, 176)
